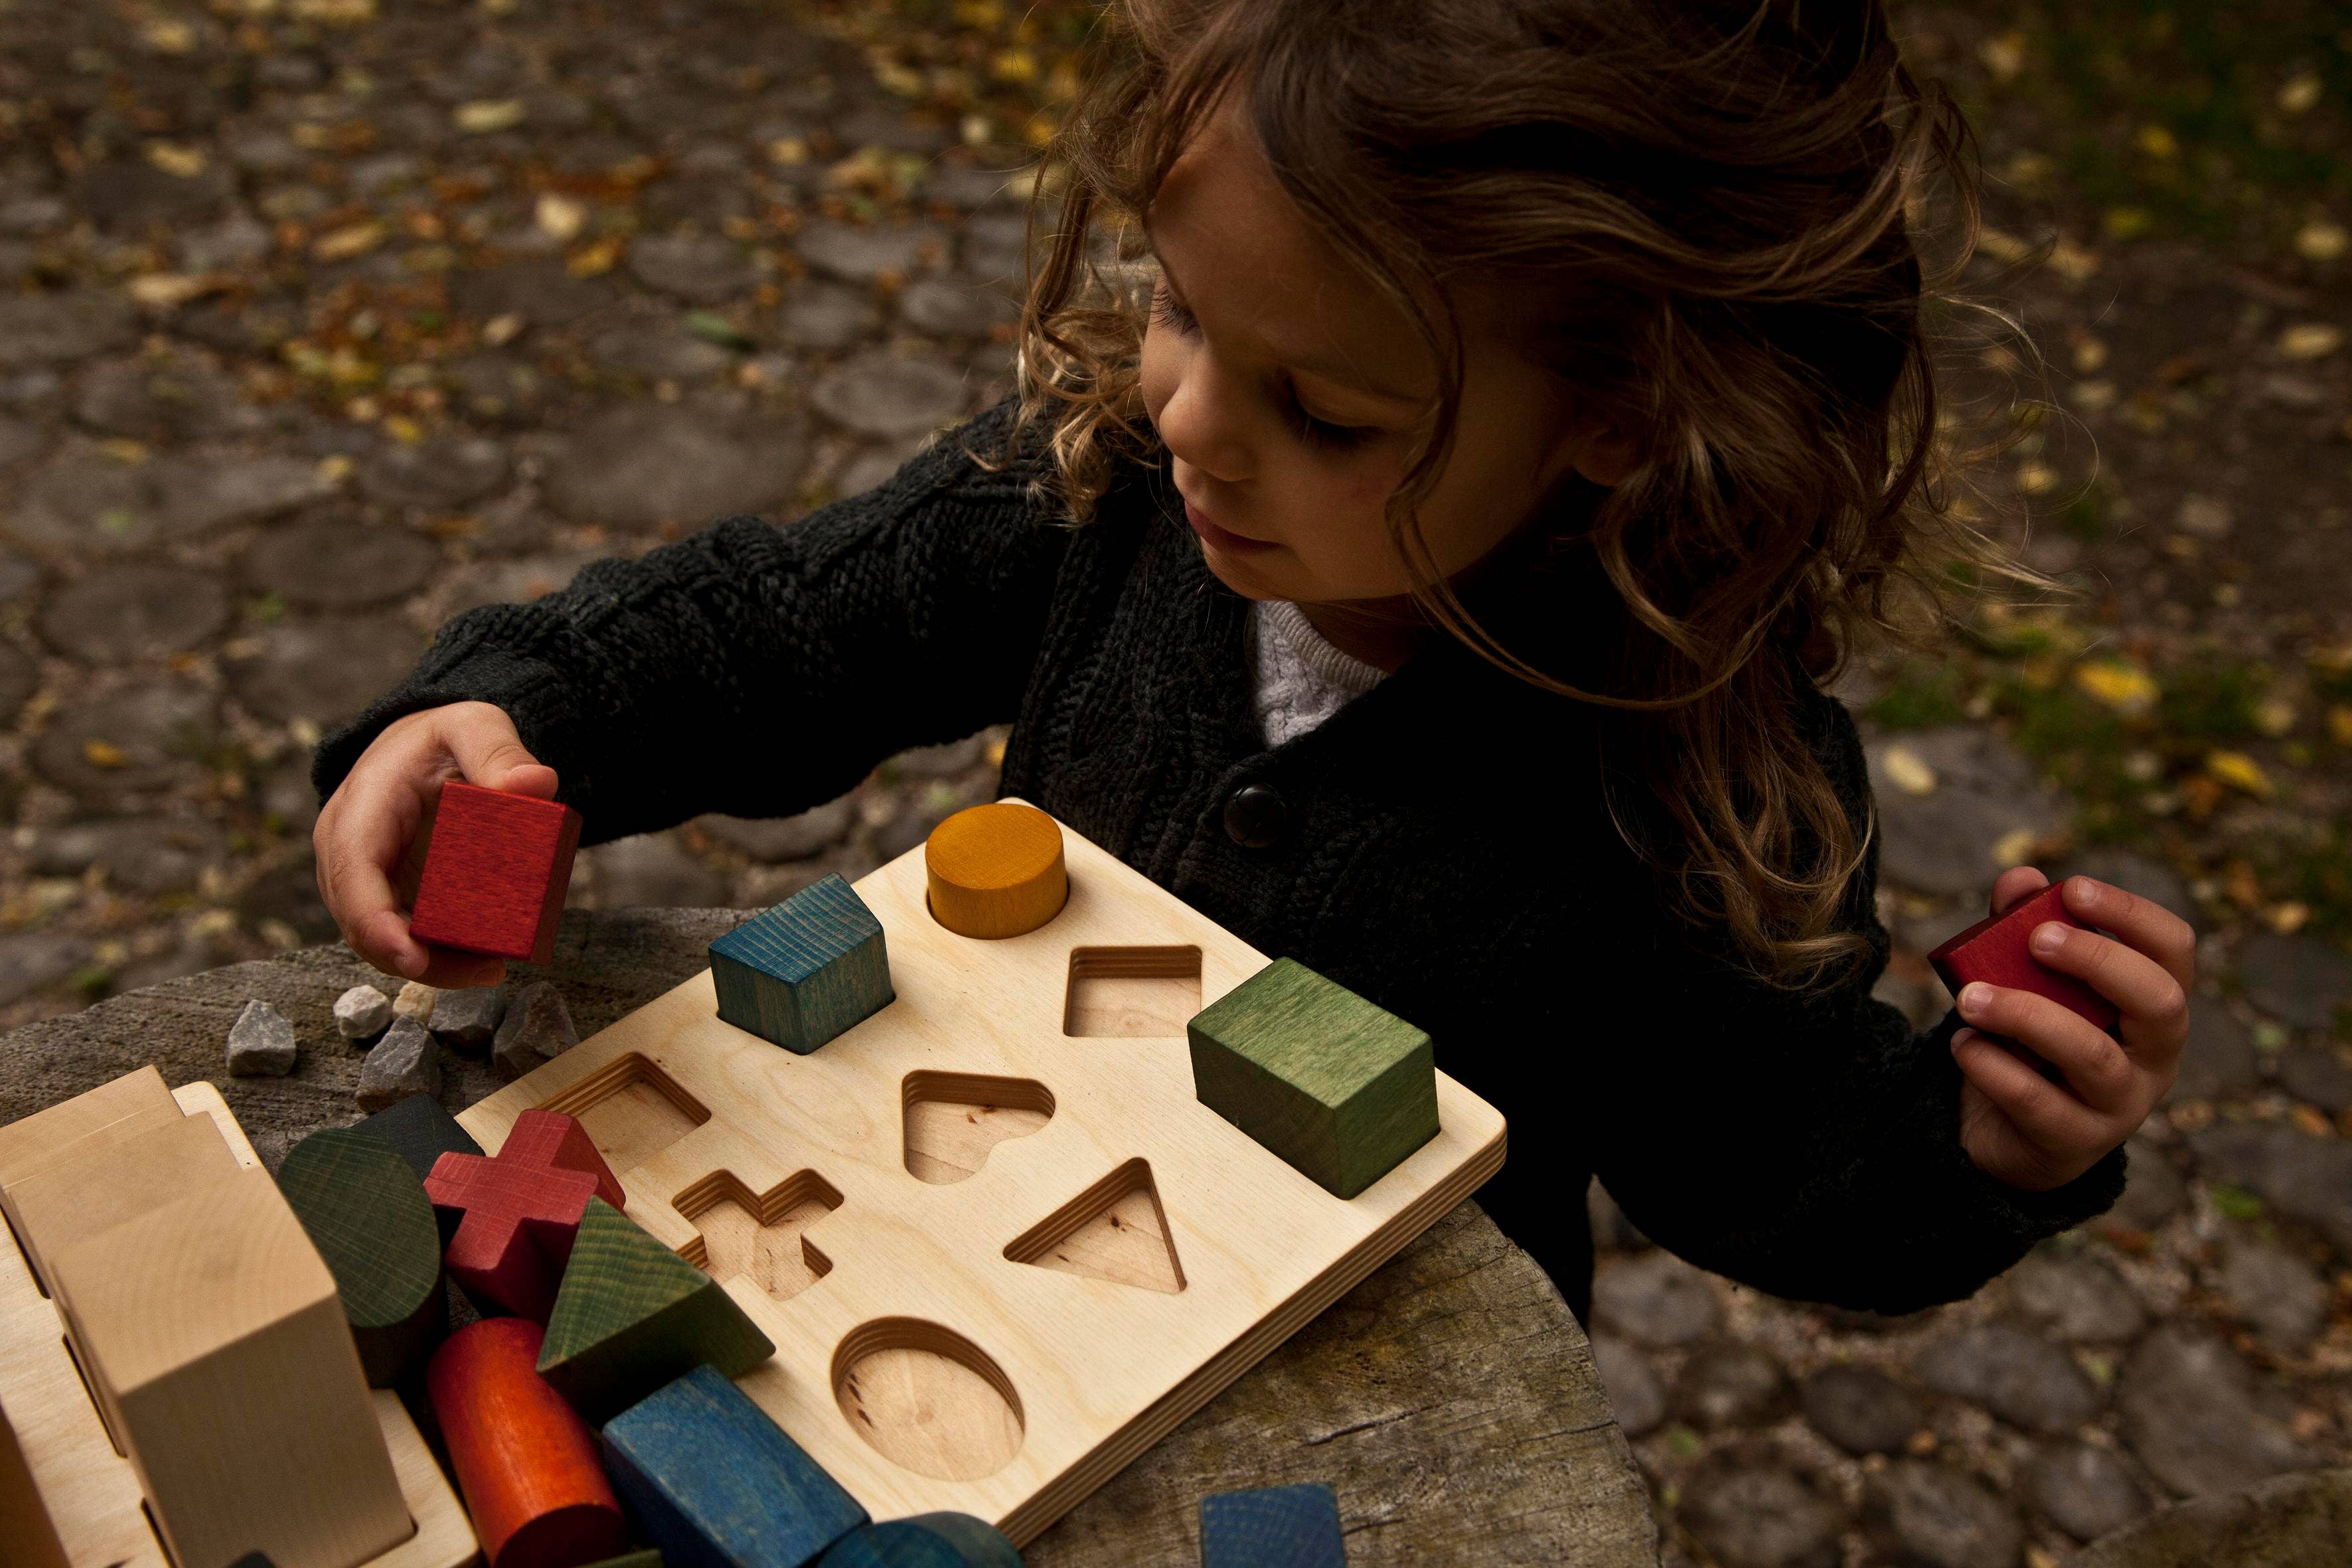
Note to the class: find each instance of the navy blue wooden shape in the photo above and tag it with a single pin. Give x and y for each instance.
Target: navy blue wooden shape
(717, 1484)
(802, 972)
(925, 1540)
(421, 1131)
(1274, 1527)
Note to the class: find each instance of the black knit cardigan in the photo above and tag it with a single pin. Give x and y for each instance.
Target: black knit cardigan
(1441, 846)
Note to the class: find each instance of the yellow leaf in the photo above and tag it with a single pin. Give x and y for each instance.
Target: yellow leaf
(2125, 223)
(177, 158)
(787, 150)
(2015, 847)
(124, 451)
(164, 291)
(403, 429)
(2034, 479)
(2287, 918)
(1907, 771)
(2301, 93)
(2241, 772)
(483, 116)
(352, 239)
(2275, 716)
(501, 331)
(1014, 65)
(2002, 245)
(559, 217)
(335, 470)
(2320, 240)
(2125, 688)
(2157, 142)
(2339, 723)
(2090, 354)
(167, 35)
(2072, 262)
(104, 755)
(2004, 57)
(2311, 339)
(592, 260)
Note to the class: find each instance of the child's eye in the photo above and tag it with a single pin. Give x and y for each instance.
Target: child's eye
(1168, 313)
(1322, 433)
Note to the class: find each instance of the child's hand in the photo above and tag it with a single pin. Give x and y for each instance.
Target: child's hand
(365, 830)
(2020, 1127)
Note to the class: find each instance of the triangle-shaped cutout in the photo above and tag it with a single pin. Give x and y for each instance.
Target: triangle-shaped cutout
(1115, 1230)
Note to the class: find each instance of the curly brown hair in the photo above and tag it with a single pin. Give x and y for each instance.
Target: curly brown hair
(1700, 216)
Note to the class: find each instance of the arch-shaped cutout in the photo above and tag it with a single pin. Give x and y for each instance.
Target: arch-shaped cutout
(927, 1399)
(1131, 992)
(1115, 1230)
(952, 1119)
(757, 1236)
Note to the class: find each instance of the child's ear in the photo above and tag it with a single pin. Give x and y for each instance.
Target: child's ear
(1605, 454)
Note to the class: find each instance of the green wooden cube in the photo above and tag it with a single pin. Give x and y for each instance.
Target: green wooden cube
(1340, 1089)
(802, 972)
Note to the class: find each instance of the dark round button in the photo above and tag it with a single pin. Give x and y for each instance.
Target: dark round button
(1255, 816)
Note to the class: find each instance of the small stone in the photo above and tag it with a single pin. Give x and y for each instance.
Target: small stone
(138, 854)
(869, 470)
(2153, 1189)
(703, 267)
(1733, 1385)
(261, 1043)
(2075, 1297)
(146, 737)
(225, 246)
(1656, 1300)
(1860, 1409)
(996, 248)
(880, 394)
(780, 838)
(637, 467)
(865, 255)
(337, 561)
(2302, 1177)
(48, 329)
(403, 1063)
(2086, 1491)
(1759, 1515)
(942, 308)
(33, 959)
(2189, 1413)
(2317, 1075)
(363, 1012)
(326, 671)
(467, 1020)
(1930, 1515)
(2019, 1376)
(417, 1001)
(1634, 1393)
(2280, 1294)
(205, 490)
(536, 1030)
(2218, 1059)
(160, 401)
(659, 352)
(2300, 979)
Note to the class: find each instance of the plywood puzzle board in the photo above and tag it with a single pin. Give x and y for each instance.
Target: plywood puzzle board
(91, 1491)
(998, 1259)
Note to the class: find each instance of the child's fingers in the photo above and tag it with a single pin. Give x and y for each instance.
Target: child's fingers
(489, 754)
(2044, 1114)
(2141, 924)
(2095, 1067)
(2016, 882)
(2154, 1005)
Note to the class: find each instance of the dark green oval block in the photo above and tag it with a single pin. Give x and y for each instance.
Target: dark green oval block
(648, 1558)
(802, 972)
(1273, 1527)
(925, 1540)
(368, 1215)
(1340, 1089)
(630, 1315)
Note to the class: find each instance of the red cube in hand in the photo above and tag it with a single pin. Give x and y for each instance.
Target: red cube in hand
(495, 870)
(1994, 951)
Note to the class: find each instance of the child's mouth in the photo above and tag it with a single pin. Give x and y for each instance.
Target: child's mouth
(1231, 543)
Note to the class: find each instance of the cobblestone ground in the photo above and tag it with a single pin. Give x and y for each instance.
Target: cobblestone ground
(326, 320)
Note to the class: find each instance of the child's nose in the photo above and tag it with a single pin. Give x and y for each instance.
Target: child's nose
(1200, 425)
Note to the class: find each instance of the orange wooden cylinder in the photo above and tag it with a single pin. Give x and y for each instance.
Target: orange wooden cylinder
(996, 870)
(526, 1462)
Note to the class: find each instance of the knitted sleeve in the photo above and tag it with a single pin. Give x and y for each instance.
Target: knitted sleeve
(1806, 1144)
(758, 670)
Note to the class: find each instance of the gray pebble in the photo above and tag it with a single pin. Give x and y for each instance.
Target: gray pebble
(404, 1062)
(1733, 1385)
(1760, 1516)
(468, 1020)
(536, 1029)
(361, 1013)
(2019, 1376)
(1933, 1515)
(261, 1043)
(2280, 1294)
(2075, 1297)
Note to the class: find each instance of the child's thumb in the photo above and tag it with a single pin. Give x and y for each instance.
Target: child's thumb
(489, 754)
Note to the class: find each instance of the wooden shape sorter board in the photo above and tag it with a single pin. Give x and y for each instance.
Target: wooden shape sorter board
(91, 1491)
(976, 1330)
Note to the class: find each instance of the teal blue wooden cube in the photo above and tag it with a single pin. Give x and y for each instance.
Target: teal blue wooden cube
(802, 972)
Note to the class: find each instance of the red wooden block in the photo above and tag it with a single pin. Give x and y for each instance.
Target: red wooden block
(517, 1227)
(1994, 951)
(495, 868)
(550, 1141)
(527, 1465)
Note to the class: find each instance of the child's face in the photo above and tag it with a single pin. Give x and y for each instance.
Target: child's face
(1286, 389)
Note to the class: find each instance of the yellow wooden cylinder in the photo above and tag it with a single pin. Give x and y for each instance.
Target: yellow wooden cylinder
(996, 870)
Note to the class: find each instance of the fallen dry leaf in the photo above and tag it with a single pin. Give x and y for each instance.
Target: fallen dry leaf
(344, 243)
(104, 755)
(486, 115)
(2311, 339)
(2125, 688)
(2241, 772)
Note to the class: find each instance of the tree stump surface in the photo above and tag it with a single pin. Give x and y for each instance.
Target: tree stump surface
(1450, 1398)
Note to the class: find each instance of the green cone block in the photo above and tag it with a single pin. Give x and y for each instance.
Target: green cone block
(1340, 1089)
(630, 1315)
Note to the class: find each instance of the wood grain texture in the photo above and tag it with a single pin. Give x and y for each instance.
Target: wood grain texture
(717, 1484)
(806, 970)
(420, 1132)
(514, 1230)
(24, 1524)
(212, 1331)
(1995, 951)
(495, 870)
(926, 1541)
(1092, 1371)
(32, 1143)
(632, 1315)
(1273, 1527)
(550, 1141)
(368, 1215)
(526, 1462)
(121, 1171)
(1339, 1087)
(996, 870)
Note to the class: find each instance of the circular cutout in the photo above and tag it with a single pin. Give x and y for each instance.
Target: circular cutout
(926, 1399)
(996, 870)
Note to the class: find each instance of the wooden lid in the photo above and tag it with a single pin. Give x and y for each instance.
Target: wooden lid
(996, 870)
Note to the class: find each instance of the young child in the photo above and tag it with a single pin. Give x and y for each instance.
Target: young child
(1433, 581)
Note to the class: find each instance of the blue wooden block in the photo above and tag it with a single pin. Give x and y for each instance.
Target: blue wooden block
(802, 972)
(719, 1485)
(925, 1540)
(1274, 1527)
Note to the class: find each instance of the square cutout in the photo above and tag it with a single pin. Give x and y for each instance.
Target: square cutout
(1131, 992)
(632, 1110)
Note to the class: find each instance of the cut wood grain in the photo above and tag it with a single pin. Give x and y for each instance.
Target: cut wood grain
(996, 870)
(115, 1173)
(212, 1332)
(1132, 992)
(369, 1217)
(527, 1463)
(739, 1236)
(32, 1143)
(495, 866)
(1018, 1388)
(550, 1141)
(804, 970)
(1114, 1230)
